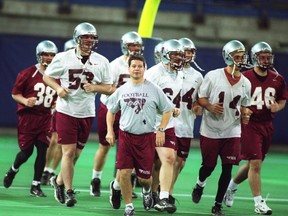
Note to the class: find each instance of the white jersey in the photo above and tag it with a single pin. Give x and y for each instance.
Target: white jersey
(139, 105)
(216, 88)
(169, 82)
(119, 73)
(72, 74)
(184, 123)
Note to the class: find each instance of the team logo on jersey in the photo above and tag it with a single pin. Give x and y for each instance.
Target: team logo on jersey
(137, 103)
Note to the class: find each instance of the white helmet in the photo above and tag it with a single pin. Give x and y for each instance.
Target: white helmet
(169, 47)
(158, 52)
(230, 48)
(261, 47)
(85, 29)
(45, 46)
(131, 38)
(70, 44)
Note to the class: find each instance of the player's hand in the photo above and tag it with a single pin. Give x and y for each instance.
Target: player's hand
(62, 92)
(245, 115)
(88, 87)
(216, 108)
(30, 102)
(197, 110)
(176, 112)
(274, 107)
(110, 138)
(160, 138)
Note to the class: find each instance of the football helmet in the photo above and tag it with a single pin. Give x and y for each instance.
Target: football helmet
(172, 48)
(188, 45)
(70, 44)
(45, 46)
(262, 47)
(131, 38)
(232, 47)
(85, 29)
(158, 52)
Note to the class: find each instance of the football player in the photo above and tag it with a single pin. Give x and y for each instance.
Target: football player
(268, 96)
(35, 100)
(224, 94)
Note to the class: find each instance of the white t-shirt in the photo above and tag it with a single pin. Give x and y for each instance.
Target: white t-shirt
(216, 86)
(139, 105)
(72, 73)
(169, 82)
(184, 123)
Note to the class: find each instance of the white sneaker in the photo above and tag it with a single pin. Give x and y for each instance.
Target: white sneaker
(229, 197)
(262, 208)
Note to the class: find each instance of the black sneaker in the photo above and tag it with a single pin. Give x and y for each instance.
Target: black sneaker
(171, 199)
(59, 190)
(148, 201)
(115, 197)
(36, 191)
(133, 182)
(45, 178)
(129, 211)
(155, 198)
(217, 210)
(164, 205)
(70, 198)
(8, 178)
(197, 193)
(134, 195)
(95, 187)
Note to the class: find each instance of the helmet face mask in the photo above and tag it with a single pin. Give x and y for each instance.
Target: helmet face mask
(173, 54)
(45, 51)
(262, 56)
(131, 44)
(85, 35)
(229, 54)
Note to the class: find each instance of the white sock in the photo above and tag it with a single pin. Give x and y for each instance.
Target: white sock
(201, 184)
(15, 170)
(145, 191)
(96, 174)
(163, 194)
(232, 185)
(130, 205)
(116, 185)
(35, 183)
(257, 199)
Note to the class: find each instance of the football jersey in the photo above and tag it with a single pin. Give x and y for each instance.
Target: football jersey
(184, 123)
(169, 82)
(29, 83)
(217, 89)
(119, 73)
(273, 88)
(72, 74)
(139, 105)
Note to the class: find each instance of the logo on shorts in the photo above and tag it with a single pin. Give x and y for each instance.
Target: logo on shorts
(231, 157)
(146, 172)
(135, 102)
(172, 143)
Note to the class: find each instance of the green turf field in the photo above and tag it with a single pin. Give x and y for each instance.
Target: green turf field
(16, 200)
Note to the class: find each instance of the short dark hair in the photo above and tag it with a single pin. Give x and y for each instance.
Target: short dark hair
(136, 57)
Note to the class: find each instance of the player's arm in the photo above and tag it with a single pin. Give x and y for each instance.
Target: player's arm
(29, 102)
(110, 136)
(197, 109)
(99, 88)
(50, 81)
(160, 135)
(216, 108)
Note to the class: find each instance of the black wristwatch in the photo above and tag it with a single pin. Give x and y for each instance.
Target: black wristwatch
(161, 129)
